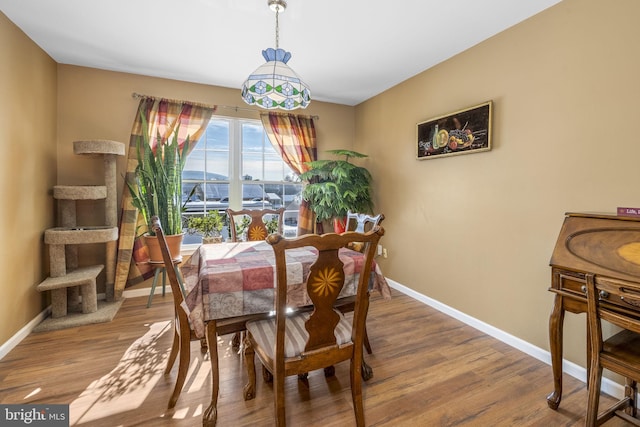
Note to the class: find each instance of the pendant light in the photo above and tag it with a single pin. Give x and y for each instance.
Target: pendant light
(274, 84)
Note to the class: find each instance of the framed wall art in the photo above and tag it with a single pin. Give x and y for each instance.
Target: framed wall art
(461, 132)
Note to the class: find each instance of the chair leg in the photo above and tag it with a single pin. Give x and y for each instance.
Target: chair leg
(183, 366)
(356, 392)
(367, 345)
(266, 375)
(249, 353)
(236, 340)
(210, 415)
(595, 378)
(278, 396)
(203, 345)
(367, 372)
(175, 348)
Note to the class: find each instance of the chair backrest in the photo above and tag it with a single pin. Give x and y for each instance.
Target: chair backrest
(324, 283)
(176, 290)
(257, 229)
(290, 223)
(616, 301)
(360, 223)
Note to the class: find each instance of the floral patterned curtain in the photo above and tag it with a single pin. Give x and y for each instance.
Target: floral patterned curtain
(294, 137)
(162, 116)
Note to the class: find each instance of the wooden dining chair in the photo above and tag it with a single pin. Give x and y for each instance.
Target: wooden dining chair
(183, 334)
(617, 302)
(257, 229)
(360, 223)
(299, 342)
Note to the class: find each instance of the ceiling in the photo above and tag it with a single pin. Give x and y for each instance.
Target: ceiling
(346, 51)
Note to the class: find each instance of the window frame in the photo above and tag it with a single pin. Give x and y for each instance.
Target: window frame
(235, 178)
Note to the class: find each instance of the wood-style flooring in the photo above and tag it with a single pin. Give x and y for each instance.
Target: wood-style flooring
(429, 370)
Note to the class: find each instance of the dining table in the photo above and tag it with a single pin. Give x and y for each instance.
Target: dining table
(229, 283)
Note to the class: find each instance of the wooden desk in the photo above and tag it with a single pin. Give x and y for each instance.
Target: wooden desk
(229, 284)
(600, 244)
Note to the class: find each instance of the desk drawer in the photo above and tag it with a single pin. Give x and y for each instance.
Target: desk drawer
(619, 293)
(570, 281)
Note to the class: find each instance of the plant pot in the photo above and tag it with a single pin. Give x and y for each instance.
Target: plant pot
(211, 239)
(339, 225)
(174, 242)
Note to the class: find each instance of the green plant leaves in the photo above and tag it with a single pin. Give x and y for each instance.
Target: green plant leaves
(157, 186)
(336, 186)
(208, 225)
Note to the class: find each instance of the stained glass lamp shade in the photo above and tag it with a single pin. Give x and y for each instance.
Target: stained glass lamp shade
(275, 85)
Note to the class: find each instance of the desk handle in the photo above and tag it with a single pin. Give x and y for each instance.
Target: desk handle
(602, 294)
(633, 303)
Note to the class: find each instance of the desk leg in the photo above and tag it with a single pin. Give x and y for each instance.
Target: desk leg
(210, 416)
(556, 321)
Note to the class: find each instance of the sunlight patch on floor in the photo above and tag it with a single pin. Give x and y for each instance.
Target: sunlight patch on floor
(129, 383)
(200, 374)
(33, 393)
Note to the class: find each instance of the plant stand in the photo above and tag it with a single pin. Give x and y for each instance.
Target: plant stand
(161, 269)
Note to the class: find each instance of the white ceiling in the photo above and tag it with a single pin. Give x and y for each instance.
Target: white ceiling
(346, 51)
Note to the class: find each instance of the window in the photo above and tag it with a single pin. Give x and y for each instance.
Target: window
(234, 165)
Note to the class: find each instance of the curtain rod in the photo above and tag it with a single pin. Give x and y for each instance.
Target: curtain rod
(214, 107)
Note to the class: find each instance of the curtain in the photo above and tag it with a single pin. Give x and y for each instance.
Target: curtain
(163, 116)
(294, 137)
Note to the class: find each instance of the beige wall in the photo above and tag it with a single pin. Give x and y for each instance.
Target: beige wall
(476, 231)
(27, 173)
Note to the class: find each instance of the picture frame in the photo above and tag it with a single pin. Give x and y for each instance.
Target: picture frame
(461, 132)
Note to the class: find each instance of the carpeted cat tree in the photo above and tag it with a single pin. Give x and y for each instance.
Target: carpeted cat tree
(74, 299)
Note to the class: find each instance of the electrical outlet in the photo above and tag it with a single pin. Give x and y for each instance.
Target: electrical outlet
(379, 249)
(384, 252)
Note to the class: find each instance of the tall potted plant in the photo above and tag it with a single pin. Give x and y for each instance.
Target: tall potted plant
(336, 186)
(157, 186)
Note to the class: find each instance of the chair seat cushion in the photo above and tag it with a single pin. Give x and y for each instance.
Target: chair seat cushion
(296, 336)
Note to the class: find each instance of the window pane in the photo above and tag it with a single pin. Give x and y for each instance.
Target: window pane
(253, 151)
(217, 165)
(194, 166)
(273, 167)
(252, 166)
(217, 135)
(264, 180)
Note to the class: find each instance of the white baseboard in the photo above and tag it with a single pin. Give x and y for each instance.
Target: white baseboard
(610, 387)
(12, 342)
(144, 292)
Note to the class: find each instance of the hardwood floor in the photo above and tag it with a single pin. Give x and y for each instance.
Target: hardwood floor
(429, 370)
